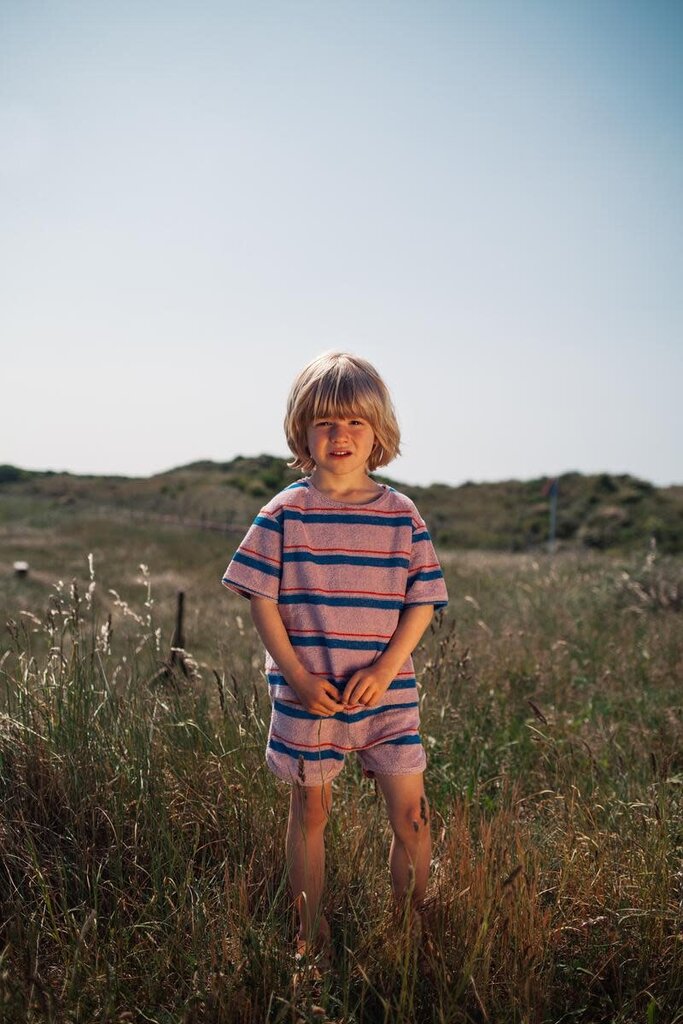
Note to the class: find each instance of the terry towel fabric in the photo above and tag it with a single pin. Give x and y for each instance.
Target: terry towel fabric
(341, 575)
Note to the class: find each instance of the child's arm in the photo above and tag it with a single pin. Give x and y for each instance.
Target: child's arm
(317, 695)
(368, 685)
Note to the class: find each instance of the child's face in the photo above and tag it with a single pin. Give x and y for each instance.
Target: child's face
(341, 445)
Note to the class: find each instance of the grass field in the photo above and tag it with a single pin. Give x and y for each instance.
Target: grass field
(141, 837)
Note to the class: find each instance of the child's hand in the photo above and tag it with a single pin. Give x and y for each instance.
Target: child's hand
(366, 686)
(317, 695)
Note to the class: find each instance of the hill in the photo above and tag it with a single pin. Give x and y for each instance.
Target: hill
(600, 511)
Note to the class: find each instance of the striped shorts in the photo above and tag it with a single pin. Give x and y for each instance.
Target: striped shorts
(310, 749)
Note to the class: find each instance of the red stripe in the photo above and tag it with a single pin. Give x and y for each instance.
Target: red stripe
(335, 632)
(259, 554)
(355, 593)
(337, 746)
(326, 675)
(345, 551)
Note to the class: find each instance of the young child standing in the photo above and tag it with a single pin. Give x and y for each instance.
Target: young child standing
(343, 581)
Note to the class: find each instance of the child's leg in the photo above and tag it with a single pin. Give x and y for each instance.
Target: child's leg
(411, 846)
(309, 811)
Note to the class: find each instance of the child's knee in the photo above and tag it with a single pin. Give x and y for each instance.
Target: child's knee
(411, 821)
(310, 807)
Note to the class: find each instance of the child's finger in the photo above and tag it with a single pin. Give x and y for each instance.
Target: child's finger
(332, 692)
(360, 693)
(323, 706)
(329, 699)
(350, 688)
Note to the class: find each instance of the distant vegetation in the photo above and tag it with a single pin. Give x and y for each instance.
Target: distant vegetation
(601, 511)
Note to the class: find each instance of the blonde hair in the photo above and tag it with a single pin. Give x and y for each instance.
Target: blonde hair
(343, 385)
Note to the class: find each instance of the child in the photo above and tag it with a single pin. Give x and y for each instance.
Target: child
(343, 581)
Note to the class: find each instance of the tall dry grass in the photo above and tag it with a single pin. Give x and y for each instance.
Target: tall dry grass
(141, 844)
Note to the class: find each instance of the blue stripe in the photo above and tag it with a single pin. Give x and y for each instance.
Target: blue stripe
(274, 679)
(306, 556)
(347, 645)
(254, 563)
(435, 604)
(404, 740)
(433, 574)
(318, 755)
(267, 524)
(423, 535)
(350, 517)
(340, 716)
(243, 588)
(294, 486)
(341, 602)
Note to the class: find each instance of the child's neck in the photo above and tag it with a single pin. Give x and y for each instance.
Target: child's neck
(355, 489)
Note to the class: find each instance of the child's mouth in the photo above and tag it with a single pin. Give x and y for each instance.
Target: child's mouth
(339, 455)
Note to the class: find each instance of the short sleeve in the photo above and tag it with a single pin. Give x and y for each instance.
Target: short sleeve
(256, 566)
(426, 584)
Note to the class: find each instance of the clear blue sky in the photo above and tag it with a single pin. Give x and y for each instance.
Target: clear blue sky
(482, 197)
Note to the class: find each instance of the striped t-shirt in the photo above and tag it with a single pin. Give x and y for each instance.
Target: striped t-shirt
(341, 575)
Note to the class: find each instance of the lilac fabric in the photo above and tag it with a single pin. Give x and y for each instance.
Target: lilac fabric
(341, 575)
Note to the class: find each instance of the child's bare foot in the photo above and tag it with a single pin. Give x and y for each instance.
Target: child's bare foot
(313, 958)
(319, 942)
(408, 921)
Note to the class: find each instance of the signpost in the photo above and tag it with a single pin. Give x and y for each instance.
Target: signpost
(552, 488)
